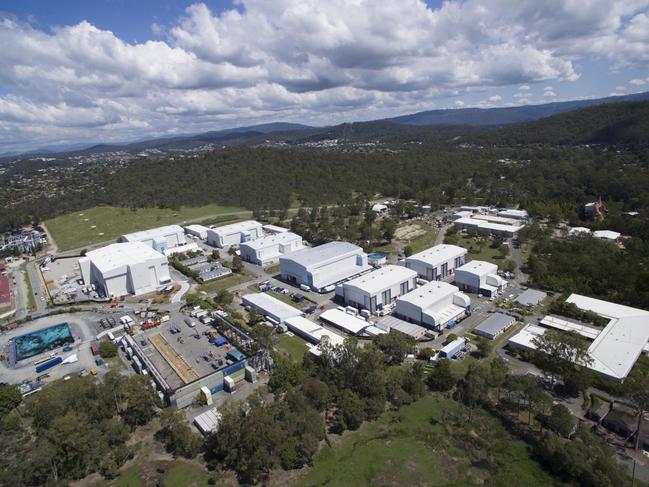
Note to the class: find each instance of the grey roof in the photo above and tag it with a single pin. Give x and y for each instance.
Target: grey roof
(530, 297)
(322, 253)
(494, 324)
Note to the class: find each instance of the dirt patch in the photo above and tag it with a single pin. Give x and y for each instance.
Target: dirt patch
(408, 232)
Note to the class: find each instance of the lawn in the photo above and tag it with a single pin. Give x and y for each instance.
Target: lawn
(285, 298)
(272, 270)
(176, 473)
(103, 223)
(481, 252)
(294, 346)
(225, 282)
(430, 443)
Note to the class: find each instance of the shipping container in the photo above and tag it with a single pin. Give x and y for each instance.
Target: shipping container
(48, 365)
(94, 348)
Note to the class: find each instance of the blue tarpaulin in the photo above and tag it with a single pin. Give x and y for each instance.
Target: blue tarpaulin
(220, 341)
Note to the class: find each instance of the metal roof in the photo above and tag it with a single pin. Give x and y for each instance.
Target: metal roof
(272, 240)
(323, 253)
(438, 254)
(415, 331)
(236, 227)
(479, 267)
(381, 279)
(429, 294)
(530, 297)
(350, 323)
(617, 347)
(153, 233)
(117, 255)
(313, 331)
(208, 421)
(495, 324)
(271, 306)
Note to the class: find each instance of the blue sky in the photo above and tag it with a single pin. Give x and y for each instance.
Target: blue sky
(115, 70)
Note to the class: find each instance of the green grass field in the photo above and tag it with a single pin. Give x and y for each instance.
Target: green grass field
(225, 282)
(484, 252)
(102, 223)
(294, 346)
(422, 445)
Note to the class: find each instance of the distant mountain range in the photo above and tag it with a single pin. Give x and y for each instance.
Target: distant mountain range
(428, 125)
(484, 117)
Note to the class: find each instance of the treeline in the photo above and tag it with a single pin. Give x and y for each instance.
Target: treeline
(72, 428)
(593, 267)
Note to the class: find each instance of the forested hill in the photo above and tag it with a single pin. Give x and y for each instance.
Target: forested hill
(619, 124)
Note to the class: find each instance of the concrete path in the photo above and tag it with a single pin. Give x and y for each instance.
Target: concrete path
(184, 287)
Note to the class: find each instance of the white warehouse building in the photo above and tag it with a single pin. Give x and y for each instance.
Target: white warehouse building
(125, 268)
(479, 277)
(160, 239)
(437, 262)
(198, 231)
(434, 305)
(235, 233)
(377, 289)
(323, 266)
(267, 250)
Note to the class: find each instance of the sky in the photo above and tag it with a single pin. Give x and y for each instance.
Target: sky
(74, 71)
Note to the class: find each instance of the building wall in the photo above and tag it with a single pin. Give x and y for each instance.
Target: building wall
(435, 273)
(361, 299)
(270, 253)
(222, 239)
(469, 281)
(138, 278)
(419, 315)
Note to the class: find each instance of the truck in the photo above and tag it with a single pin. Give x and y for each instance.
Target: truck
(190, 323)
(94, 348)
(48, 365)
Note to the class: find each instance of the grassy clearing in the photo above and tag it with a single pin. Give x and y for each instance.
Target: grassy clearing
(423, 241)
(31, 299)
(428, 443)
(272, 269)
(103, 223)
(293, 346)
(481, 251)
(225, 282)
(131, 477)
(285, 298)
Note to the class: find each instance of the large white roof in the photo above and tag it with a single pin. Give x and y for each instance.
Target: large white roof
(429, 294)
(346, 321)
(238, 227)
(197, 228)
(272, 240)
(272, 306)
(438, 254)
(323, 253)
(118, 255)
(314, 331)
(617, 347)
(498, 227)
(479, 267)
(152, 233)
(381, 279)
(606, 234)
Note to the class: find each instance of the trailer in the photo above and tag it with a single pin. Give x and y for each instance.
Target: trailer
(94, 348)
(453, 348)
(48, 365)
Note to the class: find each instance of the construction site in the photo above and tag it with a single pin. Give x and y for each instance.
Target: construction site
(190, 360)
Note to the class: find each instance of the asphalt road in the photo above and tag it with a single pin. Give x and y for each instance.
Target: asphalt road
(40, 294)
(20, 291)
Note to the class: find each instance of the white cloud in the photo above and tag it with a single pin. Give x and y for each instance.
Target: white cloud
(548, 88)
(495, 98)
(637, 82)
(549, 93)
(298, 60)
(459, 103)
(620, 88)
